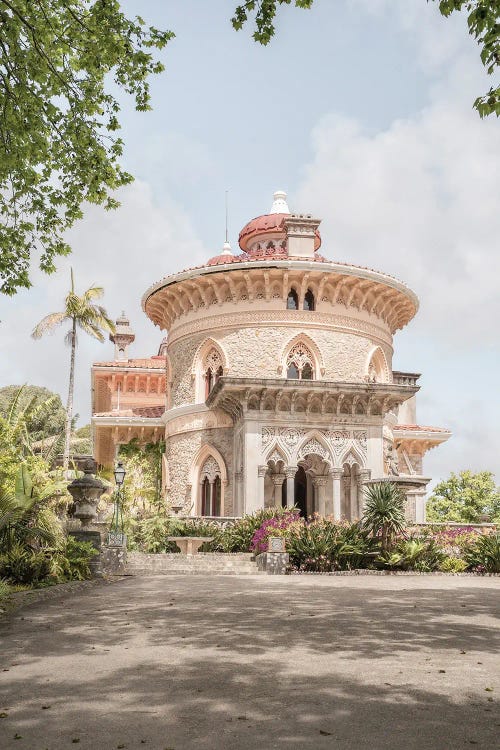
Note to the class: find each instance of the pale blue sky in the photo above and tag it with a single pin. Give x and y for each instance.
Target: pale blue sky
(361, 111)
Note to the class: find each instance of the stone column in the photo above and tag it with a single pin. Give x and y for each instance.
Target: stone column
(262, 471)
(336, 479)
(319, 485)
(290, 472)
(363, 476)
(278, 480)
(353, 495)
(237, 500)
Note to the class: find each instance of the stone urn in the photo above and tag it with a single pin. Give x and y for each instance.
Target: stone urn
(86, 492)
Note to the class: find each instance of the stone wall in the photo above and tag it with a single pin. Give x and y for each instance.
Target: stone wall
(257, 351)
(181, 451)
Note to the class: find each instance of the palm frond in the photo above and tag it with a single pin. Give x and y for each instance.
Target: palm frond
(94, 292)
(48, 324)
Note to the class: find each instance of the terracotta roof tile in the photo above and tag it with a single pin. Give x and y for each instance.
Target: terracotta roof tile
(152, 363)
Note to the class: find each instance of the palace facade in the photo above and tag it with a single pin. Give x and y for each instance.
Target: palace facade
(274, 385)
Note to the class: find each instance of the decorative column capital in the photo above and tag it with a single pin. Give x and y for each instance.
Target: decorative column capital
(290, 472)
(278, 479)
(336, 473)
(364, 475)
(320, 481)
(262, 470)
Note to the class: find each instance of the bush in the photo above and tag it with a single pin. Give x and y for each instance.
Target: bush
(76, 557)
(322, 546)
(69, 563)
(24, 565)
(238, 537)
(383, 513)
(483, 555)
(453, 565)
(422, 555)
(279, 525)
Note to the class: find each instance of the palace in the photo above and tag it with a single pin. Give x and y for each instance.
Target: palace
(274, 385)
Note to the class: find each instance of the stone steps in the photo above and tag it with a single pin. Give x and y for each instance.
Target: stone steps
(203, 563)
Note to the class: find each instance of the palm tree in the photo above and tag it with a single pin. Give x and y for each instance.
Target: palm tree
(384, 511)
(80, 312)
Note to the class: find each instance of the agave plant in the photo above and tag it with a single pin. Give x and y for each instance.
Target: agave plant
(484, 553)
(384, 513)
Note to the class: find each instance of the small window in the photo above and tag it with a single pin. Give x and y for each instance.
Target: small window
(309, 300)
(216, 497)
(209, 381)
(205, 497)
(307, 372)
(293, 372)
(292, 302)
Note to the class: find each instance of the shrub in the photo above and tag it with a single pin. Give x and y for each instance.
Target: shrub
(453, 565)
(238, 537)
(384, 512)
(414, 554)
(68, 563)
(76, 557)
(279, 525)
(23, 565)
(484, 554)
(323, 545)
(5, 588)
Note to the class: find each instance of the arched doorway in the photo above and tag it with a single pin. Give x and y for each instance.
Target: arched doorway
(300, 491)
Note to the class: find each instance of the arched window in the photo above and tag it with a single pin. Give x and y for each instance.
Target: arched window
(292, 302)
(299, 363)
(212, 369)
(210, 488)
(309, 300)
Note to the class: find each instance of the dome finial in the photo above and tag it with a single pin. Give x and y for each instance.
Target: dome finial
(226, 248)
(280, 206)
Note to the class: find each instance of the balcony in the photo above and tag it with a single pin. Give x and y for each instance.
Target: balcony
(405, 378)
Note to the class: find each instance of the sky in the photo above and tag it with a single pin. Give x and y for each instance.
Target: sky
(362, 111)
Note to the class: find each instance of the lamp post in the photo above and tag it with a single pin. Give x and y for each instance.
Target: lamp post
(116, 536)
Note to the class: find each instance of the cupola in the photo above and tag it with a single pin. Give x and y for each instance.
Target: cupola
(122, 337)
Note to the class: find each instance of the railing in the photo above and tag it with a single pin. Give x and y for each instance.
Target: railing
(222, 521)
(405, 378)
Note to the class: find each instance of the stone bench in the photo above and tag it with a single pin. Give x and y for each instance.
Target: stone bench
(189, 545)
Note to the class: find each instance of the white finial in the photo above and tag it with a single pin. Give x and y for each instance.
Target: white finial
(280, 206)
(226, 249)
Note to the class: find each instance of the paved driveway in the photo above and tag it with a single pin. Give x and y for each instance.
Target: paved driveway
(224, 663)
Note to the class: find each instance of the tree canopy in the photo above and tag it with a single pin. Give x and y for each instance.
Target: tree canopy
(59, 119)
(465, 497)
(41, 423)
(483, 20)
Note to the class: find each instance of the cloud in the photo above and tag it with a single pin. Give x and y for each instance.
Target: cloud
(420, 200)
(125, 251)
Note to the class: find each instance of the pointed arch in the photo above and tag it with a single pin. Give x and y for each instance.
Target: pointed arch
(377, 370)
(311, 351)
(276, 454)
(209, 465)
(313, 443)
(209, 364)
(352, 456)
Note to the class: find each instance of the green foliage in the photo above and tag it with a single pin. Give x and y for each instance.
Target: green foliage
(59, 62)
(484, 554)
(238, 537)
(5, 588)
(482, 20)
(70, 562)
(453, 565)
(150, 534)
(414, 554)
(465, 497)
(41, 422)
(384, 512)
(76, 557)
(143, 488)
(322, 546)
(24, 565)
(264, 17)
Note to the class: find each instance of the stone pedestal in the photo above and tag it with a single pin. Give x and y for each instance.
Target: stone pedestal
(114, 560)
(273, 563)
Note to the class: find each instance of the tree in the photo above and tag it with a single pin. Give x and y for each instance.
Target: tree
(81, 313)
(59, 121)
(384, 512)
(41, 423)
(483, 20)
(465, 497)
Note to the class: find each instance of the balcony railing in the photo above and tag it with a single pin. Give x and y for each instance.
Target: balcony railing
(405, 378)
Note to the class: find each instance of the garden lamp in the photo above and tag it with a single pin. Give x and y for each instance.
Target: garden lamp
(119, 474)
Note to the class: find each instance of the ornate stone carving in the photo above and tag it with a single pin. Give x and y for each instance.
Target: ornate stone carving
(210, 469)
(300, 356)
(314, 447)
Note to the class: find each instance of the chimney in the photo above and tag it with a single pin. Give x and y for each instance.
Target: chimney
(301, 235)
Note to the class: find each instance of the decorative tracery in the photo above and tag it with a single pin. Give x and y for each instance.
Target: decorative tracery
(210, 488)
(300, 363)
(212, 369)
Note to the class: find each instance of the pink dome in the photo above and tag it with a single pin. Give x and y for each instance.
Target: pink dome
(219, 260)
(268, 224)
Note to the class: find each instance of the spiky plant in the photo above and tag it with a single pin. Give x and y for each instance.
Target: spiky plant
(384, 512)
(83, 314)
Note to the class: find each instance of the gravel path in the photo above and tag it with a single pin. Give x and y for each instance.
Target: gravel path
(256, 662)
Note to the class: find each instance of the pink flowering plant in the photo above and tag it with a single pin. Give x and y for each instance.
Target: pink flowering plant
(281, 525)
